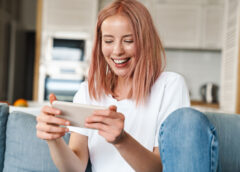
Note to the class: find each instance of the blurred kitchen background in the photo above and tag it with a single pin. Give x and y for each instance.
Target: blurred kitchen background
(45, 46)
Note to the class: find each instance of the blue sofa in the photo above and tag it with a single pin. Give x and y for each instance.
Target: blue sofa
(21, 150)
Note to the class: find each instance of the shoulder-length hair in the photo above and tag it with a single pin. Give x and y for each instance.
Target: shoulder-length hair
(150, 53)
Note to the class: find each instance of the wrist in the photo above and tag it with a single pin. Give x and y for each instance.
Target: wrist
(55, 141)
(121, 140)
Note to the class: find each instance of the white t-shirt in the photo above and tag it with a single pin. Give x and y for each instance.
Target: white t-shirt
(168, 93)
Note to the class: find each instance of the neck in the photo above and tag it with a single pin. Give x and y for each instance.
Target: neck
(123, 82)
(122, 88)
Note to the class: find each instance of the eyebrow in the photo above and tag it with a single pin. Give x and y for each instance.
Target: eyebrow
(128, 35)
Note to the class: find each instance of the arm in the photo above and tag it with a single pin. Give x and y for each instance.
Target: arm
(140, 158)
(70, 158)
(67, 158)
(110, 125)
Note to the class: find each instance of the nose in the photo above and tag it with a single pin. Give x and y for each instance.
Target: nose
(118, 49)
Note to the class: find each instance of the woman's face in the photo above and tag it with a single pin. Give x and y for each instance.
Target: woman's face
(118, 44)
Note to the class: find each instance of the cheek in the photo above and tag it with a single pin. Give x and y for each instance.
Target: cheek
(106, 50)
(131, 49)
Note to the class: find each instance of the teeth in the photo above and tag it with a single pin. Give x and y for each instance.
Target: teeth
(120, 61)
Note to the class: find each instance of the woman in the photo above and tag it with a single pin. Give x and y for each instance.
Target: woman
(126, 75)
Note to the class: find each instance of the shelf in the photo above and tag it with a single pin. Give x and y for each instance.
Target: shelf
(204, 104)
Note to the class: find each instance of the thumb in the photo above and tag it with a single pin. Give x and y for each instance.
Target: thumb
(52, 97)
(113, 108)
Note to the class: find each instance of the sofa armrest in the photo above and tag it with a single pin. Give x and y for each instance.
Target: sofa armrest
(24, 151)
(3, 122)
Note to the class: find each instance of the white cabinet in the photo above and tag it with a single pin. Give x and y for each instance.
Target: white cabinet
(212, 30)
(179, 25)
(189, 1)
(71, 15)
(189, 25)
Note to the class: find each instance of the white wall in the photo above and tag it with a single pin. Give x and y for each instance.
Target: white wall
(197, 66)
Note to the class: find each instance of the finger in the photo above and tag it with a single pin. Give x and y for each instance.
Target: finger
(97, 126)
(106, 112)
(52, 97)
(51, 128)
(51, 111)
(52, 120)
(113, 108)
(48, 136)
(98, 118)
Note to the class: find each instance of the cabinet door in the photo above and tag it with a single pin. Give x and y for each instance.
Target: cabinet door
(181, 1)
(103, 3)
(179, 25)
(69, 15)
(213, 27)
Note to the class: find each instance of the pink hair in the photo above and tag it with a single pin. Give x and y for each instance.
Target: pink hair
(150, 53)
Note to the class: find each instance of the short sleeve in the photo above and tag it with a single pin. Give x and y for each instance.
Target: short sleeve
(176, 95)
(80, 96)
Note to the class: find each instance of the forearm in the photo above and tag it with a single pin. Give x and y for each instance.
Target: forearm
(138, 157)
(64, 158)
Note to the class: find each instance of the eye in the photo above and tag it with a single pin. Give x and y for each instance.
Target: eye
(108, 41)
(128, 41)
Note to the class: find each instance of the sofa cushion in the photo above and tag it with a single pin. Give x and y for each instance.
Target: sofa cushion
(227, 128)
(24, 151)
(3, 121)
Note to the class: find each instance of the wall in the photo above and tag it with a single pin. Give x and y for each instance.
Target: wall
(197, 66)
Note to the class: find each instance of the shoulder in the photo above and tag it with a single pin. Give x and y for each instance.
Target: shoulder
(169, 78)
(82, 93)
(169, 83)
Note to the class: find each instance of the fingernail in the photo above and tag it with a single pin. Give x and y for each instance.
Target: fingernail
(67, 123)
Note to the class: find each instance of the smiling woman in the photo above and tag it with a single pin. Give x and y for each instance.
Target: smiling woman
(125, 34)
(126, 75)
(118, 45)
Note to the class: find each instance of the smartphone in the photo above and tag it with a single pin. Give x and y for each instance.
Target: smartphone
(75, 113)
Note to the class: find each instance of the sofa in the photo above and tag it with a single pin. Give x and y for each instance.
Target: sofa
(22, 151)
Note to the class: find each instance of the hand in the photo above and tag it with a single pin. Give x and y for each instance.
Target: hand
(48, 125)
(109, 123)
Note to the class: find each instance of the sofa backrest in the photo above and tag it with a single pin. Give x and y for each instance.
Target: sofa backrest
(228, 133)
(3, 122)
(24, 151)
(20, 149)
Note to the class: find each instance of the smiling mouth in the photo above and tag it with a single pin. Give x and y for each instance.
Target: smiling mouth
(120, 61)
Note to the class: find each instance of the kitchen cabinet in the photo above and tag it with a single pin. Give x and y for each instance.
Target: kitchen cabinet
(187, 24)
(212, 27)
(71, 15)
(193, 26)
(189, 1)
(179, 26)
